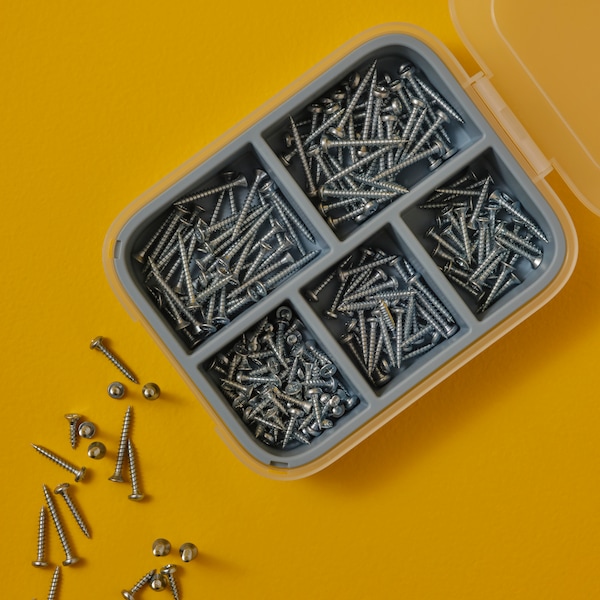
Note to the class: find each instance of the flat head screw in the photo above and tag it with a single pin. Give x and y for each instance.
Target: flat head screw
(116, 390)
(69, 558)
(73, 419)
(79, 473)
(188, 552)
(136, 494)
(117, 475)
(130, 594)
(96, 344)
(62, 490)
(161, 547)
(40, 560)
(54, 584)
(169, 572)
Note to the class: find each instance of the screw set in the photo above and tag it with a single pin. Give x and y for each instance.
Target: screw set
(221, 249)
(485, 242)
(390, 315)
(358, 146)
(286, 389)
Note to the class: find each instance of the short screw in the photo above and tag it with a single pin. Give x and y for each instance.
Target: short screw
(96, 344)
(61, 490)
(73, 419)
(188, 552)
(169, 571)
(54, 584)
(135, 490)
(79, 473)
(40, 561)
(117, 475)
(129, 594)
(69, 558)
(116, 390)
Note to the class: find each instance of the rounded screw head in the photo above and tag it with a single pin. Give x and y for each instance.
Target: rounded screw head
(62, 488)
(39, 563)
(161, 547)
(80, 474)
(127, 595)
(151, 391)
(86, 430)
(96, 342)
(159, 582)
(169, 569)
(70, 561)
(188, 552)
(116, 390)
(96, 450)
(137, 496)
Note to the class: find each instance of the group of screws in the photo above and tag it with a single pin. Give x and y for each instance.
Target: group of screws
(219, 250)
(483, 237)
(286, 389)
(355, 144)
(390, 314)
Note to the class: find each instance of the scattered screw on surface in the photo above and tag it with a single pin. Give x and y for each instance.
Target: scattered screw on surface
(159, 582)
(96, 344)
(285, 388)
(362, 144)
(69, 558)
(486, 243)
(54, 584)
(86, 430)
(130, 594)
(161, 547)
(169, 570)
(116, 390)
(117, 476)
(188, 552)
(62, 490)
(390, 316)
(96, 450)
(73, 419)
(213, 259)
(40, 560)
(151, 391)
(136, 494)
(79, 473)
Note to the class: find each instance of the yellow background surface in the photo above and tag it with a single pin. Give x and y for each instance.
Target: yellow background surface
(487, 488)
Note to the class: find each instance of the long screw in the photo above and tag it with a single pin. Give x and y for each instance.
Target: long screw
(40, 560)
(96, 344)
(117, 476)
(79, 473)
(136, 494)
(69, 558)
(61, 490)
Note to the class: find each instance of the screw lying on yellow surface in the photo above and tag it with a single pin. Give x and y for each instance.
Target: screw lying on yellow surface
(79, 473)
(96, 344)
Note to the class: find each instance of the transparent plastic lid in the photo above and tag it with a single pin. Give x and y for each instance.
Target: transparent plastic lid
(541, 58)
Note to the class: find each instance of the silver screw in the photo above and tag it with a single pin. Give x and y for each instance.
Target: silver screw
(96, 450)
(135, 490)
(151, 391)
(116, 390)
(40, 561)
(79, 473)
(54, 584)
(96, 344)
(188, 552)
(69, 558)
(159, 582)
(61, 490)
(73, 419)
(129, 594)
(169, 571)
(161, 547)
(86, 430)
(117, 475)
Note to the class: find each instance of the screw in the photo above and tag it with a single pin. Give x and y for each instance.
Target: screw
(86, 430)
(96, 344)
(69, 558)
(54, 584)
(151, 391)
(117, 475)
(96, 450)
(116, 390)
(161, 547)
(61, 490)
(135, 491)
(129, 594)
(40, 561)
(73, 419)
(79, 473)
(188, 552)
(159, 582)
(169, 571)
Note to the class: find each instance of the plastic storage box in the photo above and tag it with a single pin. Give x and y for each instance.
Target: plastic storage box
(364, 300)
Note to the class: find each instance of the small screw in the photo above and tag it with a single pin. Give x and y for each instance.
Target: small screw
(73, 419)
(151, 391)
(117, 475)
(69, 558)
(169, 571)
(96, 450)
(61, 490)
(40, 561)
(79, 473)
(86, 430)
(188, 552)
(129, 594)
(135, 491)
(116, 390)
(161, 547)
(96, 344)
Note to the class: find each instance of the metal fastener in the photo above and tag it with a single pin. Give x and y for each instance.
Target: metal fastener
(86, 430)
(136, 494)
(169, 570)
(151, 391)
(78, 473)
(159, 582)
(161, 547)
(40, 560)
(62, 490)
(96, 344)
(116, 390)
(54, 584)
(130, 594)
(69, 558)
(73, 419)
(188, 552)
(96, 450)
(117, 475)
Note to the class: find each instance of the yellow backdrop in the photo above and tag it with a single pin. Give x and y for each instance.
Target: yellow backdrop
(487, 488)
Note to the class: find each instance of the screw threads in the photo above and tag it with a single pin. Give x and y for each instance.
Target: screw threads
(97, 344)
(79, 473)
(69, 558)
(128, 594)
(54, 584)
(40, 560)
(117, 475)
(61, 490)
(135, 487)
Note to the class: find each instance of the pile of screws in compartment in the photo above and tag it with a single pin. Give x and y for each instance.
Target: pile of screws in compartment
(285, 387)
(355, 144)
(483, 237)
(391, 315)
(221, 249)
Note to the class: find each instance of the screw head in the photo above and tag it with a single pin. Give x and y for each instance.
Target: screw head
(97, 341)
(96, 450)
(188, 552)
(161, 547)
(72, 418)
(159, 582)
(136, 497)
(169, 569)
(86, 430)
(116, 390)
(61, 488)
(71, 560)
(151, 391)
(80, 474)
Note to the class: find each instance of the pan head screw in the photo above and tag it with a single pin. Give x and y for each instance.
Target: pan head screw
(151, 391)
(159, 582)
(96, 344)
(86, 430)
(188, 552)
(161, 547)
(96, 450)
(116, 390)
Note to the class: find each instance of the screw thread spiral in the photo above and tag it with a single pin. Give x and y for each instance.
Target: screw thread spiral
(143, 581)
(135, 488)
(54, 584)
(57, 524)
(122, 447)
(117, 363)
(76, 515)
(59, 461)
(41, 542)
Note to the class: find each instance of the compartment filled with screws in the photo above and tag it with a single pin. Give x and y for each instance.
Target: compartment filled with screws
(369, 138)
(283, 386)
